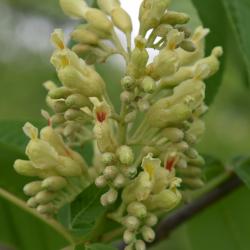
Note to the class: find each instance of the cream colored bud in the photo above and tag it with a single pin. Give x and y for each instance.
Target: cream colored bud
(74, 8)
(125, 155)
(143, 105)
(131, 223)
(165, 64)
(44, 197)
(54, 183)
(87, 85)
(140, 245)
(151, 220)
(119, 181)
(148, 234)
(32, 188)
(108, 158)
(128, 82)
(77, 101)
(57, 38)
(85, 36)
(129, 247)
(148, 84)
(108, 5)
(137, 209)
(193, 183)
(130, 117)
(98, 20)
(111, 196)
(188, 45)
(130, 171)
(198, 161)
(25, 168)
(121, 20)
(163, 29)
(100, 181)
(126, 96)
(68, 167)
(150, 14)
(190, 171)
(181, 163)
(192, 153)
(31, 202)
(110, 172)
(104, 200)
(74, 114)
(58, 106)
(128, 236)
(166, 200)
(173, 18)
(190, 138)
(46, 209)
(58, 93)
(173, 134)
(181, 146)
(168, 117)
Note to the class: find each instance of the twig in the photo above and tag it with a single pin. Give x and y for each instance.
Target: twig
(188, 211)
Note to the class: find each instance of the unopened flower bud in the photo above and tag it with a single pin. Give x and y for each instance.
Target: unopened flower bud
(173, 18)
(77, 101)
(126, 96)
(193, 183)
(140, 245)
(100, 181)
(190, 171)
(110, 172)
(57, 119)
(31, 202)
(91, 85)
(148, 84)
(44, 197)
(46, 209)
(125, 155)
(57, 38)
(192, 153)
(137, 209)
(74, 8)
(130, 171)
(130, 117)
(181, 163)
(74, 114)
(173, 134)
(85, 36)
(129, 247)
(111, 196)
(68, 167)
(165, 64)
(98, 20)
(119, 181)
(121, 20)
(108, 158)
(25, 168)
(151, 220)
(108, 5)
(132, 223)
(54, 183)
(188, 45)
(32, 188)
(128, 236)
(59, 106)
(128, 82)
(148, 234)
(104, 200)
(58, 93)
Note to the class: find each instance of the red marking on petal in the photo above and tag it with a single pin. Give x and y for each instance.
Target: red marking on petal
(170, 164)
(101, 116)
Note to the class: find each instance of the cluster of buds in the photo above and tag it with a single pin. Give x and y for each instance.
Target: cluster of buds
(145, 151)
(62, 173)
(155, 189)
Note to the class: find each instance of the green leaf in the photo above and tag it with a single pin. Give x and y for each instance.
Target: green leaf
(86, 209)
(241, 166)
(238, 14)
(24, 229)
(214, 15)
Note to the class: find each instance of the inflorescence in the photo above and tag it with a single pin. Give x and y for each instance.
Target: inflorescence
(145, 154)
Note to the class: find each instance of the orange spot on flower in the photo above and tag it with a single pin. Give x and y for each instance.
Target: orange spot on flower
(101, 116)
(170, 164)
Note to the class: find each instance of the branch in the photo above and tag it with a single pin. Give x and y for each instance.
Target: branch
(174, 220)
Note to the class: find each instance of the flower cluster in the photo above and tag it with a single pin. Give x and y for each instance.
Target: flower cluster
(145, 154)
